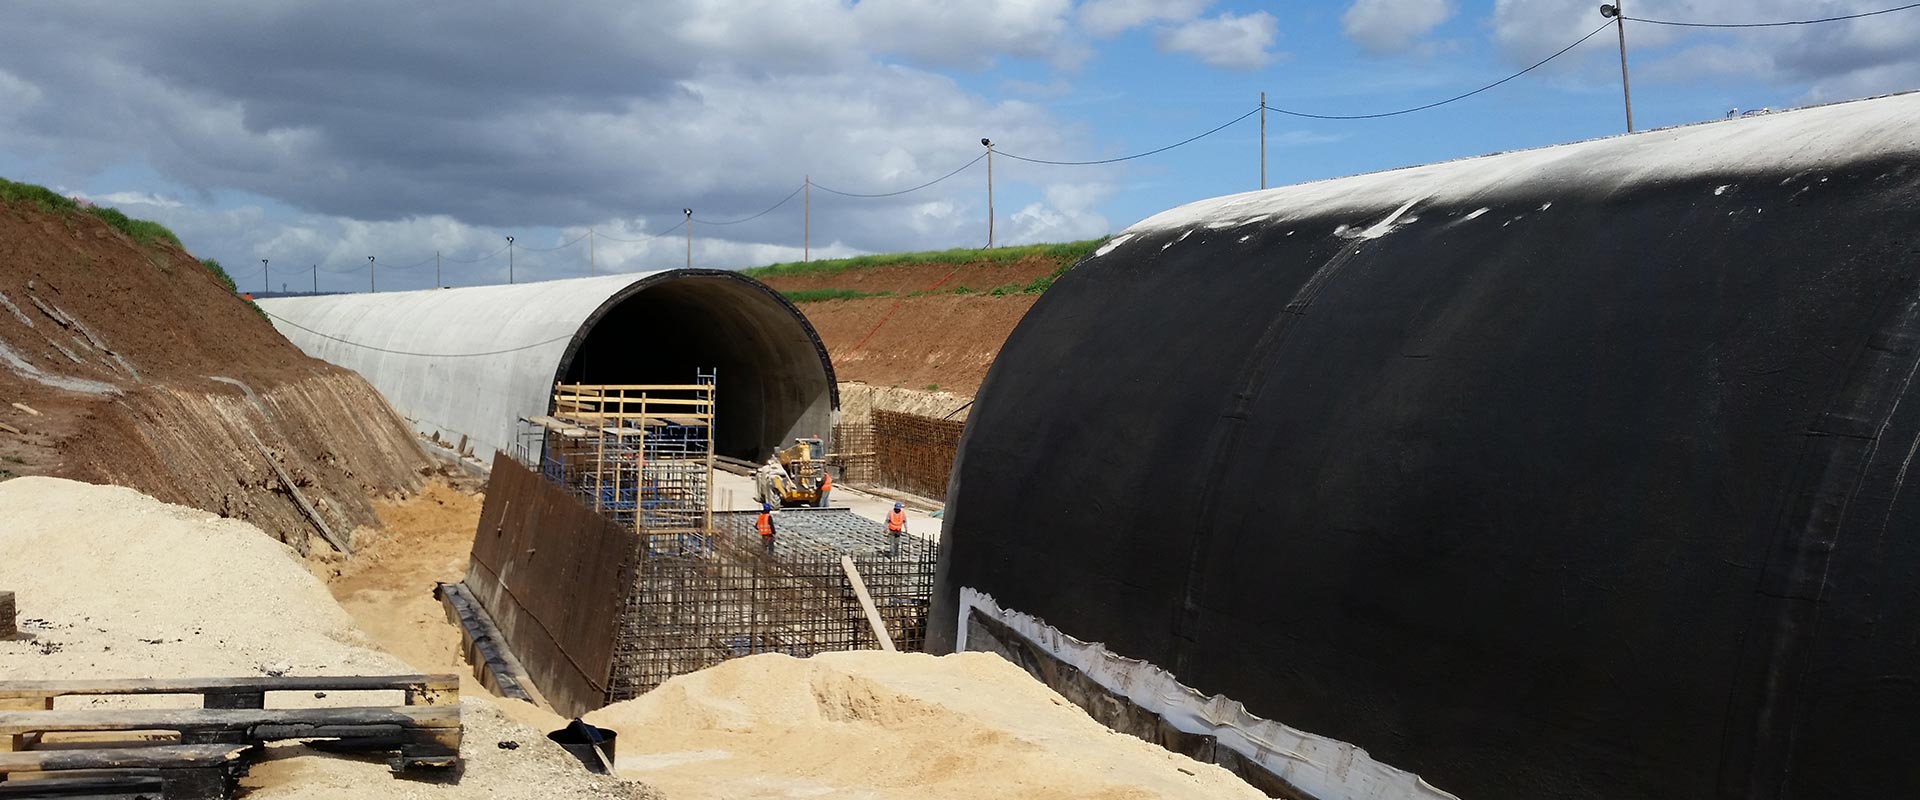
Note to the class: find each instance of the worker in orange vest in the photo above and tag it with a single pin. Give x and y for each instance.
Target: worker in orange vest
(765, 525)
(896, 525)
(826, 485)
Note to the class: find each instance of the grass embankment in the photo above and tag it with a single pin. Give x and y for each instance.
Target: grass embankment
(140, 230)
(52, 202)
(1066, 252)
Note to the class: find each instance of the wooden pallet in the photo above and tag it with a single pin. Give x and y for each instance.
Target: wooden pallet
(211, 745)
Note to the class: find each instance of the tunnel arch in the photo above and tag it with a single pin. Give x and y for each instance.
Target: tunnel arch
(469, 363)
(663, 327)
(1577, 473)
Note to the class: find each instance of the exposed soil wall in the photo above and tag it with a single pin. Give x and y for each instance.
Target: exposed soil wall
(130, 357)
(945, 341)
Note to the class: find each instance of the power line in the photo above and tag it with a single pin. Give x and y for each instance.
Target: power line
(646, 238)
(577, 240)
(963, 167)
(503, 248)
(1456, 98)
(406, 353)
(783, 201)
(1187, 141)
(1819, 21)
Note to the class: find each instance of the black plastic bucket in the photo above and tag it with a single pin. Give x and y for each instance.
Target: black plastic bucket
(578, 738)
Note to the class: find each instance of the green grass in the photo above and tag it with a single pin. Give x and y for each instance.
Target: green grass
(220, 274)
(51, 202)
(1067, 251)
(142, 231)
(39, 197)
(817, 295)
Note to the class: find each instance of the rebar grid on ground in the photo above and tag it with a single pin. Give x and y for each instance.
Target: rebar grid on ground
(688, 612)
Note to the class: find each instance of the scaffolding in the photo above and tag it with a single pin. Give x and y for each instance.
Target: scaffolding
(705, 587)
(641, 455)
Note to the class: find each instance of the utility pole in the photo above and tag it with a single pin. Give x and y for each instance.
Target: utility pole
(592, 267)
(1263, 140)
(806, 229)
(370, 274)
(436, 270)
(316, 279)
(1617, 12)
(266, 278)
(689, 213)
(509, 259)
(989, 145)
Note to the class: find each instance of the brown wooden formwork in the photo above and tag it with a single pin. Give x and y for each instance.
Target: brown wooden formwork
(554, 576)
(915, 453)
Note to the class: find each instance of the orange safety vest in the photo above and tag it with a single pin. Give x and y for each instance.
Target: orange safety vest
(764, 523)
(896, 521)
(826, 482)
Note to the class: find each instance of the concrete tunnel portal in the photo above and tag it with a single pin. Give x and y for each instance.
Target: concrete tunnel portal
(472, 362)
(662, 332)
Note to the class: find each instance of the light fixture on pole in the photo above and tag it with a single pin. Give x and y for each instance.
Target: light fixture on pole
(509, 259)
(1617, 12)
(266, 278)
(689, 213)
(987, 143)
(370, 274)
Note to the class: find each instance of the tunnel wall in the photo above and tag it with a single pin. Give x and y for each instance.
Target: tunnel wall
(1570, 473)
(473, 361)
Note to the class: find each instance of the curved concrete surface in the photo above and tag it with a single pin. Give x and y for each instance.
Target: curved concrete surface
(1581, 472)
(473, 361)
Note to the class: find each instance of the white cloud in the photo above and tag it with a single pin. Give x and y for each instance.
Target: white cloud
(1228, 40)
(1113, 17)
(1392, 26)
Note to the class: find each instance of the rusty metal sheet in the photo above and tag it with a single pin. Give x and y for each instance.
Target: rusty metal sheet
(554, 576)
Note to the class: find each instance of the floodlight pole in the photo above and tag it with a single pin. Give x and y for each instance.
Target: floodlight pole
(1617, 12)
(1263, 140)
(989, 145)
(509, 259)
(689, 213)
(266, 278)
(370, 287)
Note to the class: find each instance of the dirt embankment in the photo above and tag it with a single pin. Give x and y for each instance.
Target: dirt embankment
(141, 369)
(938, 330)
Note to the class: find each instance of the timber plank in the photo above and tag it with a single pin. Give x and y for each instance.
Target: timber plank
(155, 757)
(206, 720)
(421, 684)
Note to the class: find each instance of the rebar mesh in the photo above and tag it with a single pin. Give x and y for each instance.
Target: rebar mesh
(688, 612)
(914, 453)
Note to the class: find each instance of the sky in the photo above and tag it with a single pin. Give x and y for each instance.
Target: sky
(315, 134)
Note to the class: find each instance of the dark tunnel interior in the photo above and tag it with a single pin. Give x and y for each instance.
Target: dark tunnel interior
(774, 382)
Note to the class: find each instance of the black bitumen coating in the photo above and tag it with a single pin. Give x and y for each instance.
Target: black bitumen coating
(1608, 500)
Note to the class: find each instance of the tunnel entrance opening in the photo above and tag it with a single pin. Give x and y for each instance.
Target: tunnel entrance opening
(774, 383)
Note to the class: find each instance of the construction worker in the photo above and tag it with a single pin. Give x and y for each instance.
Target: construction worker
(896, 525)
(765, 525)
(826, 485)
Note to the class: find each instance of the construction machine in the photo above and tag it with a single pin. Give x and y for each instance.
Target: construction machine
(791, 477)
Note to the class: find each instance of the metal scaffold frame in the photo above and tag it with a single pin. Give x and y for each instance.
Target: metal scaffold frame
(640, 454)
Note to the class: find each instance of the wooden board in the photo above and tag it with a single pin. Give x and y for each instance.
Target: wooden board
(155, 757)
(191, 720)
(439, 689)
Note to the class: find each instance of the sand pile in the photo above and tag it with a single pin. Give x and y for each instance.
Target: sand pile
(886, 725)
(112, 583)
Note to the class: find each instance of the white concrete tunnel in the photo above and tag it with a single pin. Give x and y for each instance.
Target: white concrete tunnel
(474, 361)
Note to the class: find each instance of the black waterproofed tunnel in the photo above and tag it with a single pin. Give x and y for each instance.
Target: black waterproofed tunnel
(1576, 473)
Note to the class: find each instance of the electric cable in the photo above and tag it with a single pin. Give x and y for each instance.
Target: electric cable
(420, 355)
(1186, 141)
(646, 238)
(1819, 21)
(577, 240)
(783, 201)
(503, 248)
(963, 167)
(1536, 65)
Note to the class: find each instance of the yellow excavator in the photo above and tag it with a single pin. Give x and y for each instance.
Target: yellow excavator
(793, 475)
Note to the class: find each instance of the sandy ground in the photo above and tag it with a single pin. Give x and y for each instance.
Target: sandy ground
(111, 583)
(888, 725)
